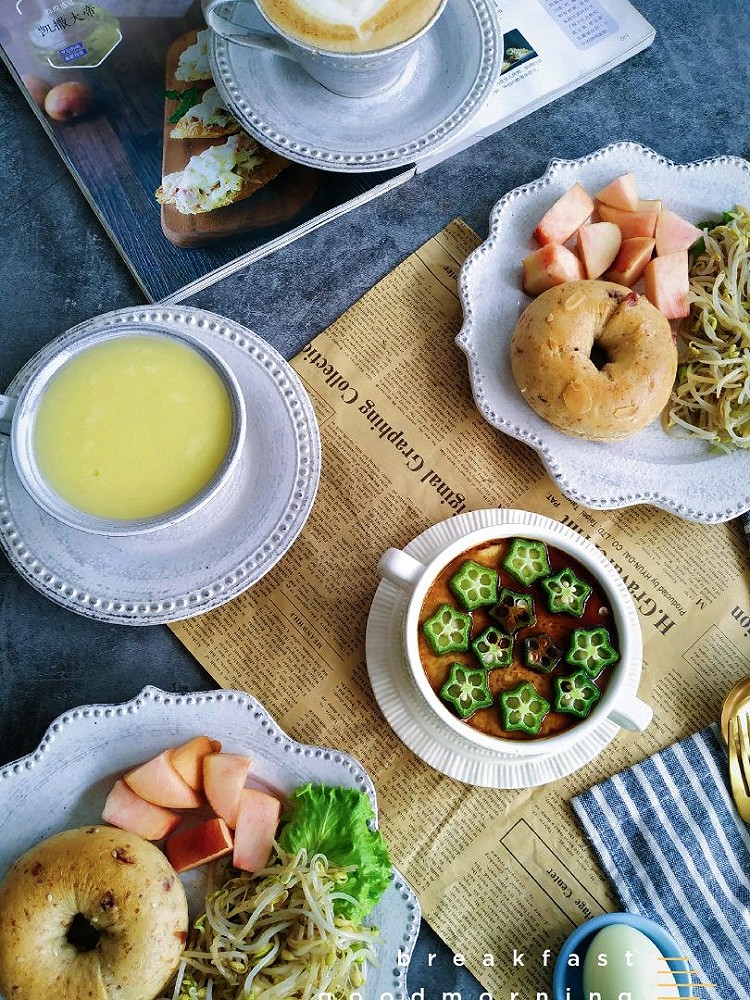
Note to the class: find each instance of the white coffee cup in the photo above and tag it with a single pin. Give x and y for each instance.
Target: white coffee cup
(618, 704)
(350, 74)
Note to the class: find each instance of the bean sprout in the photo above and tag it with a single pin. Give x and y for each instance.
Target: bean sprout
(273, 935)
(711, 398)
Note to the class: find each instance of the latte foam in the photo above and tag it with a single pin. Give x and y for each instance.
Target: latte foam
(350, 25)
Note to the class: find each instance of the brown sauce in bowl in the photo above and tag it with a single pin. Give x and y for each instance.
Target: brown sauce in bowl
(597, 612)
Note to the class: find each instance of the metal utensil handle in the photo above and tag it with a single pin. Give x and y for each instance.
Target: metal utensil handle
(7, 409)
(252, 38)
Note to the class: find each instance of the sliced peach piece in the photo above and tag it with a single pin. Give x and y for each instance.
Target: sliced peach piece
(224, 776)
(157, 781)
(639, 223)
(130, 812)
(257, 820)
(598, 244)
(548, 266)
(674, 233)
(187, 760)
(649, 205)
(206, 842)
(630, 262)
(621, 193)
(667, 284)
(568, 213)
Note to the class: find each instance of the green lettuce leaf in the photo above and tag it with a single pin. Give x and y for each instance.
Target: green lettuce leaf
(335, 822)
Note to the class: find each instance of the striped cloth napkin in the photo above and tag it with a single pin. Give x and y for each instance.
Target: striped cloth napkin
(668, 836)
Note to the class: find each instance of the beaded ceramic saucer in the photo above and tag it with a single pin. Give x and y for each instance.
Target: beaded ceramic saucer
(213, 555)
(436, 97)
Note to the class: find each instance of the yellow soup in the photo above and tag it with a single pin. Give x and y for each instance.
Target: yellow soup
(132, 428)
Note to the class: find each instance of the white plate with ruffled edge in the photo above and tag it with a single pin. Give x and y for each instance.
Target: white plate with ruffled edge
(64, 783)
(679, 475)
(405, 708)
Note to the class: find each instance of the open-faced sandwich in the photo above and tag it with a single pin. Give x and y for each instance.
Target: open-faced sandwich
(208, 119)
(194, 64)
(220, 175)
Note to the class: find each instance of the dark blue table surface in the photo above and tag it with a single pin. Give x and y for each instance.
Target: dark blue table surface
(687, 97)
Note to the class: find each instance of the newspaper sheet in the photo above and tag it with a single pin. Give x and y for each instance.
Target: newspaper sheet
(503, 876)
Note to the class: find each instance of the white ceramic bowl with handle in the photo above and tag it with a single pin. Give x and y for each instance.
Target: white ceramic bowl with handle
(619, 702)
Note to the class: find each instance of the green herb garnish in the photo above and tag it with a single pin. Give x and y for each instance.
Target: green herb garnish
(188, 98)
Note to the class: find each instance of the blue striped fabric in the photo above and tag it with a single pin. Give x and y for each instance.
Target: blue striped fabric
(668, 836)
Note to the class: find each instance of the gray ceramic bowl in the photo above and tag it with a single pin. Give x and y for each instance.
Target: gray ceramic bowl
(17, 418)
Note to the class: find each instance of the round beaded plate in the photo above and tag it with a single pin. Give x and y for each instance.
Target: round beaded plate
(435, 98)
(679, 475)
(216, 553)
(64, 782)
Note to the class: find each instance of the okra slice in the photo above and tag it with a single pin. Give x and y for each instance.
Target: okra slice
(447, 631)
(576, 694)
(541, 652)
(527, 560)
(474, 585)
(513, 611)
(493, 648)
(591, 649)
(466, 689)
(566, 593)
(523, 708)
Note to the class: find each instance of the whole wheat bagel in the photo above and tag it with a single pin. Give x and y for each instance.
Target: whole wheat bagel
(594, 359)
(90, 914)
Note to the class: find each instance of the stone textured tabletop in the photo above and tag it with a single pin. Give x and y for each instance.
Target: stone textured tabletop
(686, 97)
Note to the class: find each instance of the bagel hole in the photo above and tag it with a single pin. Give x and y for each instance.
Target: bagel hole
(82, 934)
(599, 357)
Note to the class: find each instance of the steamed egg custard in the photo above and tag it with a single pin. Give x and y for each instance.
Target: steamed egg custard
(132, 428)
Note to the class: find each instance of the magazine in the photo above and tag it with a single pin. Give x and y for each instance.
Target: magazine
(115, 85)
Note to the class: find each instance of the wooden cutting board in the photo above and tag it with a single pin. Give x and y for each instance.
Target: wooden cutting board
(277, 202)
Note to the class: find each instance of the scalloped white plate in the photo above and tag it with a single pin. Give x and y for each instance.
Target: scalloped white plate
(404, 707)
(679, 475)
(64, 783)
(216, 553)
(438, 94)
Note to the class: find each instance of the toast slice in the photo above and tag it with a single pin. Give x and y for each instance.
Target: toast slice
(194, 63)
(208, 119)
(221, 175)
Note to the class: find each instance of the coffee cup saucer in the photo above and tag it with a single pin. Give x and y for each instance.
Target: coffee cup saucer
(287, 111)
